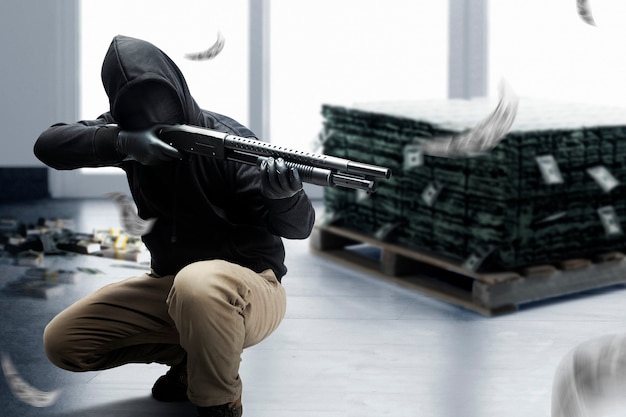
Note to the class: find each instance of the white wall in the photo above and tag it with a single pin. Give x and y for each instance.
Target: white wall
(38, 74)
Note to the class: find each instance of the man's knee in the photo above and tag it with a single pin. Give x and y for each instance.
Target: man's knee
(68, 348)
(58, 349)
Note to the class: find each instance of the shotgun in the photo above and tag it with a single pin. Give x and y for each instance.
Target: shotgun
(318, 169)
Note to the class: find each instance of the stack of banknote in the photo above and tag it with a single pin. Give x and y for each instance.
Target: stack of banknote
(549, 189)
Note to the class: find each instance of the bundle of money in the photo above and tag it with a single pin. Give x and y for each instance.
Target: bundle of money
(537, 182)
(33, 287)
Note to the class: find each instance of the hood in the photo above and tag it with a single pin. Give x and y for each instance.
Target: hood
(144, 86)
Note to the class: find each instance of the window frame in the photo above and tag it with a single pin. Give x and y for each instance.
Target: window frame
(467, 64)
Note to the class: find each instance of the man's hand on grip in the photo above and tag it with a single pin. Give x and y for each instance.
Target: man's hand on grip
(279, 181)
(144, 147)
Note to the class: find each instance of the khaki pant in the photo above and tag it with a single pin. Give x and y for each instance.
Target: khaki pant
(211, 310)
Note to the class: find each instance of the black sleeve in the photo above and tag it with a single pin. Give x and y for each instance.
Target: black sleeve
(291, 218)
(78, 145)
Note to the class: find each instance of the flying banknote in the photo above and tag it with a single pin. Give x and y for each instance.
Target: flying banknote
(132, 223)
(584, 11)
(22, 390)
(484, 136)
(590, 380)
(210, 53)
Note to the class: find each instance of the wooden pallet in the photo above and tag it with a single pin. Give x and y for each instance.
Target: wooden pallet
(486, 293)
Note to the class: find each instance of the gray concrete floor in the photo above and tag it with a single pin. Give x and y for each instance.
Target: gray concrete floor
(351, 345)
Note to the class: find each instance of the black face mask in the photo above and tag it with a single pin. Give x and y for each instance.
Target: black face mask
(147, 104)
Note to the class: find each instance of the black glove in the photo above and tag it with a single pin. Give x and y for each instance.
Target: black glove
(144, 147)
(278, 181)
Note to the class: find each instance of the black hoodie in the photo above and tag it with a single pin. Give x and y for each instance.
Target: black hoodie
(205, 208)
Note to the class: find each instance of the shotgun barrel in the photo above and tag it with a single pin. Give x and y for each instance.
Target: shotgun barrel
(318, 169)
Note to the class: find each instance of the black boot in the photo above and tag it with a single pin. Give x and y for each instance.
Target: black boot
(172, 386)
(234, 409)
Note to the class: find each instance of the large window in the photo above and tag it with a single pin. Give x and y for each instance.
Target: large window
(341, 52)
(545, 50)
(177, 28)
(325, 51)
